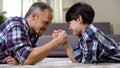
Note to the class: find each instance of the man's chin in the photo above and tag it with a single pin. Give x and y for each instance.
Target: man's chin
(40, 34)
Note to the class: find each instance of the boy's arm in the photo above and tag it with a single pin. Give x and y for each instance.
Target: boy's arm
(66, 46)
(69, 52)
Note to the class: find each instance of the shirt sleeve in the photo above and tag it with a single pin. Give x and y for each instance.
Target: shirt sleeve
(78, 52)
(109, 50)
(18, 43)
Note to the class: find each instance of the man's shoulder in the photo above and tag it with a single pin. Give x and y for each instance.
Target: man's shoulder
(15, 22)
(16, 18)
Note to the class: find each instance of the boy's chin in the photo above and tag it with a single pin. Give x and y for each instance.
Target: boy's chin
(79, 35)
(75, 34)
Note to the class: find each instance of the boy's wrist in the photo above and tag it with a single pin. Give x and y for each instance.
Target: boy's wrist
(66, 45)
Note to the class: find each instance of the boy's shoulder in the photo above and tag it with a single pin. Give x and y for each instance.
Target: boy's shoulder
(92, 32)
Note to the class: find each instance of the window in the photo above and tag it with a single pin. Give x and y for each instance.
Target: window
(12, 7)
(20, 7)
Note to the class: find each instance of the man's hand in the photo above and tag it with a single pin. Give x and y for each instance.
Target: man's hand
(61, 35)
(10, 60)
(55, 33)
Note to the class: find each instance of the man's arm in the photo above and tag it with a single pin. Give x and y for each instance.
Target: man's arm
(69, 52)
(39, 53)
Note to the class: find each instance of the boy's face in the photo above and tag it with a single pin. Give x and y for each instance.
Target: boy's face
(75, 27)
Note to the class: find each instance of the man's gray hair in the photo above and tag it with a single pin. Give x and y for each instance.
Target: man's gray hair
(38, 6)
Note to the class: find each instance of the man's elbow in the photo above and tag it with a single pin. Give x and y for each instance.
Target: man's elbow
(29, 62)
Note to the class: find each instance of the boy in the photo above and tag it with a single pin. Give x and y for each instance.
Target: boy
(93, 46)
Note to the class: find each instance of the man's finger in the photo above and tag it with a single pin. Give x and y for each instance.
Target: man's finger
(6, 53)
(7, 58)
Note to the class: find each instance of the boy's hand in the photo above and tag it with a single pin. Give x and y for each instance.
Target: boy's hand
(61, 35)
(56, 32)
(10, 60)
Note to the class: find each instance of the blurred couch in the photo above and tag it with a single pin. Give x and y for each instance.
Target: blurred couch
(73, 40)
(104, 26)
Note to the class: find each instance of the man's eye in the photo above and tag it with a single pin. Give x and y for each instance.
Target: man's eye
(46, 23)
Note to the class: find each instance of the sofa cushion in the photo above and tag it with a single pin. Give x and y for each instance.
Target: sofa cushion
(73, 40)
(59, 51)
(103, 26)
(115, 37)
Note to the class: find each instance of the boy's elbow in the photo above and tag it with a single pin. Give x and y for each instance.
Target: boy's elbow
(74, 62)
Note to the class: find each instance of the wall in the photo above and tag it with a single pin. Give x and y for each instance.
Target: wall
(1, 1)
(106, 10)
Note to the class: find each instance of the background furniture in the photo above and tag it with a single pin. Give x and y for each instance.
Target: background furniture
(73, 40)
(104, 26)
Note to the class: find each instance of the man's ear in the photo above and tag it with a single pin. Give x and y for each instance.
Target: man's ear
(79, 19)
(34, 15)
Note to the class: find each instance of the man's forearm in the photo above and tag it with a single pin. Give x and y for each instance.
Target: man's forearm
(39, 53)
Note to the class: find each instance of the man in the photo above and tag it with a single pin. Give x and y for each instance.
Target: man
(93, 46)
(18, 36)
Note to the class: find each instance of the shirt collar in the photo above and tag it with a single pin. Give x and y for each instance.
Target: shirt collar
(86, 30)
(26, 23)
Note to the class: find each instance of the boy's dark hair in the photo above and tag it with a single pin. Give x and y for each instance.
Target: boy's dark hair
(38, 5)
(84, 10)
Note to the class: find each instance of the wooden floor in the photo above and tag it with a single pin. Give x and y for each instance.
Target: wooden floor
(61, 63)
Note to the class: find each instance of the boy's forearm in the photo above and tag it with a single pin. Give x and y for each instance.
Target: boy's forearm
(69, 52)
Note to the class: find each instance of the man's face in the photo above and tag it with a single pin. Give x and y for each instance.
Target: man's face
(42, 21)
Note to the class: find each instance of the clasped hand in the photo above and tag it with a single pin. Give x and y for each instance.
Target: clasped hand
(61, 35)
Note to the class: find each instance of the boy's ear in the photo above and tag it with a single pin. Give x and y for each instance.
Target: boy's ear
(79, 19)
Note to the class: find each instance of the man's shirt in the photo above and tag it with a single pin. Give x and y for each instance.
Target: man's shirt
(16, 39)
(95, 47)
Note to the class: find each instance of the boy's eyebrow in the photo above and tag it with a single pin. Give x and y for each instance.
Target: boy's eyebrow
(68, 22)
